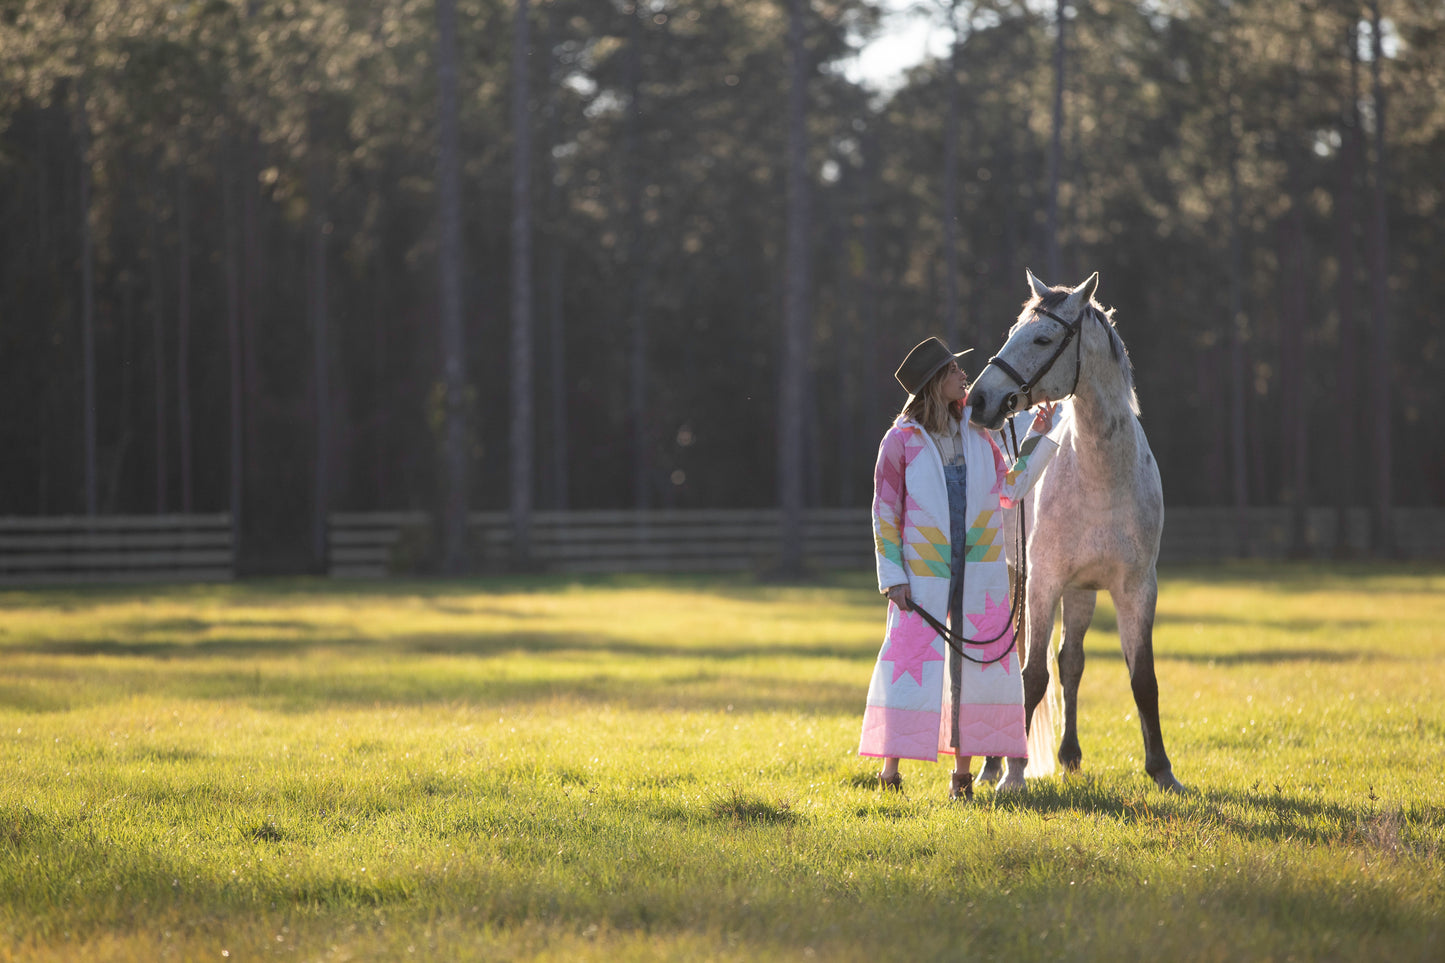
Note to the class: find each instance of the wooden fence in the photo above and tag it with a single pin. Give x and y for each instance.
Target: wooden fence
(693, 540)
(1212, 533)
(377, 544)
(682, 540)
(115, 548)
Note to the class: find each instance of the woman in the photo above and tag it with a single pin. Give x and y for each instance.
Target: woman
(938, 492)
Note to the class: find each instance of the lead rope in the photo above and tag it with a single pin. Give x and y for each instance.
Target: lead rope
(956, 639)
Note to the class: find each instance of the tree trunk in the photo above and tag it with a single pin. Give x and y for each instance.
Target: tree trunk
(455, 559)
(557, 433)
(1346, 217)
(183, 335)
(321, 353)
(380, 404)
(1238, 323)
(250, 298)
(231, 230)
(1056, 147)
(636, 270)
(793, 368)
(1012, 183)
(1382, 539)
(872, 374)
(951, 318)
(522, 433)
(846, 329)
(556, 366)
(87, 303)
(124, 215)
(1293, 367)
(158, 342)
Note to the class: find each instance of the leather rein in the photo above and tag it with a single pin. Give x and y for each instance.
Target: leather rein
(955, 639)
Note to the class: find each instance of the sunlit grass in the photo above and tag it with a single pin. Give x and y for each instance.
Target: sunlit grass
(664, 769)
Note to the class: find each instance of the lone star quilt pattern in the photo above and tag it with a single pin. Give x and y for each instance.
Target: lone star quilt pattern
(909, 711)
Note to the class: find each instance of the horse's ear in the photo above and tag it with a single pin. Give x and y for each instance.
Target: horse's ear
(1038, 287)
(1079, 297)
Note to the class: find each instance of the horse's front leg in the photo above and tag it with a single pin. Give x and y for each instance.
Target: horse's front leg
(1136, 636)
(1078, 614)
(1042, 600)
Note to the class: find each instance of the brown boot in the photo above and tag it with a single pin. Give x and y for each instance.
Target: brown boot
(894, 782)
(960, 786)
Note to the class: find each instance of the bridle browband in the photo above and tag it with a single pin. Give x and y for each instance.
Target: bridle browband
(1072, 330)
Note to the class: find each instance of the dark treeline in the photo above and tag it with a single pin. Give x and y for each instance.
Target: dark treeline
(220, 244)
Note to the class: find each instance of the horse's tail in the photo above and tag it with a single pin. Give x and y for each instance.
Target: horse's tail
(1043, 727)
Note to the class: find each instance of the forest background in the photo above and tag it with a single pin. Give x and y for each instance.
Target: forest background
(287, 257)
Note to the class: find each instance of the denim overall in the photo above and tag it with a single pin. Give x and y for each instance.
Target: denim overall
(956, 478)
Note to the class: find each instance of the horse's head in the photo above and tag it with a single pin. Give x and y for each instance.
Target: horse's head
(1041, 360)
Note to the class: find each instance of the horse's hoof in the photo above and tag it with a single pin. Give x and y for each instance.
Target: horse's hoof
(992, 770)
(1166, 781)
(1010, 783)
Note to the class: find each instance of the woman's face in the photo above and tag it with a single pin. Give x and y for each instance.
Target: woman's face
(955, 382)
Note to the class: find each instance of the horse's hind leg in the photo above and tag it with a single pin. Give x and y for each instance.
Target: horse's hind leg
(1136, 636)
(1078, 613)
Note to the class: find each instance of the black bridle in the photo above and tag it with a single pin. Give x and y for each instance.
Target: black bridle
(954, 637)
(1072, 330)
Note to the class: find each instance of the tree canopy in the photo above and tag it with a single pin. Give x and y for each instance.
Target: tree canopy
(232, 149)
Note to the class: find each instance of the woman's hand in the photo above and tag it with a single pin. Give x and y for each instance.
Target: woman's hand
(1044, 420)
(900, 596)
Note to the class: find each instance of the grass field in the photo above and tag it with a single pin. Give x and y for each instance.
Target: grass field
(664, 769)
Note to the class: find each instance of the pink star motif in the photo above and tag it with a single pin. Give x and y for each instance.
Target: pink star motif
(910, 646)
(990, 622)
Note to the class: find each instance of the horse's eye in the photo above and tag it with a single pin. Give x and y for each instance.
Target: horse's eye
(1041, 339)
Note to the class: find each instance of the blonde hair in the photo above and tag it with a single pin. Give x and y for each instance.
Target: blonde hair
(929, 408)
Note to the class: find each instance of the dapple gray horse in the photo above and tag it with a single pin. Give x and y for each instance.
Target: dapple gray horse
(1095, 517)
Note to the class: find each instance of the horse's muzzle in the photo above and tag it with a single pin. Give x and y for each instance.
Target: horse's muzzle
(990, 411)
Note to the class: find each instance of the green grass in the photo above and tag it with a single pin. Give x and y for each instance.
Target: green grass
(664, 769)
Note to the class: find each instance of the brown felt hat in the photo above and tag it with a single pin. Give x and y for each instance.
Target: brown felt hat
(923, 363)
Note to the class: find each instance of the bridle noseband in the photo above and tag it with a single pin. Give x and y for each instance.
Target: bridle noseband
(1027, 385)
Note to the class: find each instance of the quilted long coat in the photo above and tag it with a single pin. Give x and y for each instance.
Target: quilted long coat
(911, 706)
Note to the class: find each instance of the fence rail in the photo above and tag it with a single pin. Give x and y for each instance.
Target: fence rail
(377, 544)
(681, 540)
(115, 548)
(732, 539)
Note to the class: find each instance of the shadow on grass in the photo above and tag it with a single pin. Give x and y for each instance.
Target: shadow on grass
(262, 591)
(480, 646)
(1294, 625)
(1105, 621)
(1301, 577)
(1258, 814)
(1114, 653)
(48, 688)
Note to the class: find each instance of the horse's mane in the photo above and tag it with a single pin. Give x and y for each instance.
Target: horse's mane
(1056, 297)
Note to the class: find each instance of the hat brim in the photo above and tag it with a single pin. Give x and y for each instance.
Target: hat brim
(958, 356)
